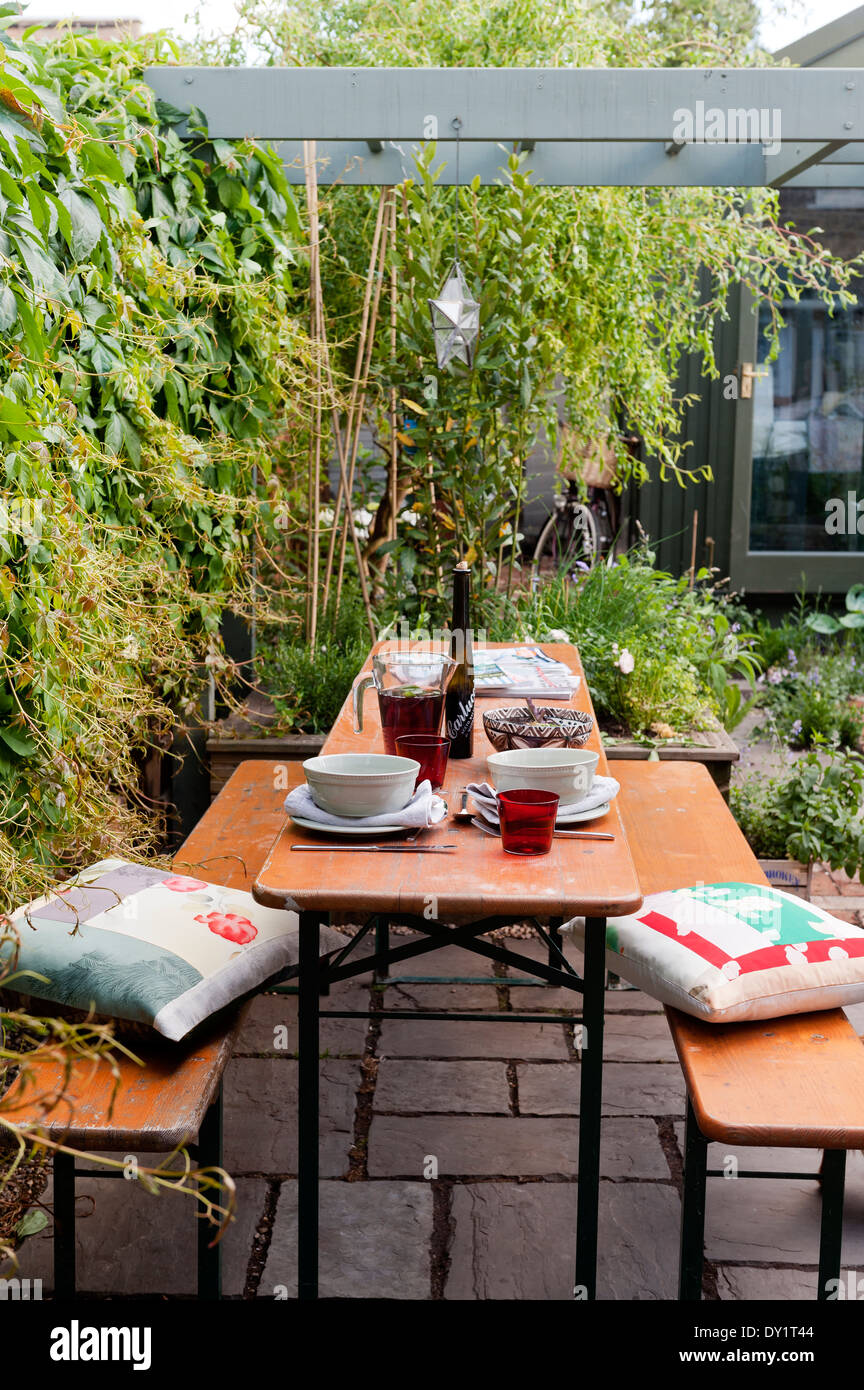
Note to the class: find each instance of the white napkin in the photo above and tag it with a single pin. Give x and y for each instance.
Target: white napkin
(603, 789)
(424, 808)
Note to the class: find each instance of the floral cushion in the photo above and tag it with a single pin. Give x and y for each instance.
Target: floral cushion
(731, 951)
(152, 946)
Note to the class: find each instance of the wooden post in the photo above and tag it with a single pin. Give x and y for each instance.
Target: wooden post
(693, 548)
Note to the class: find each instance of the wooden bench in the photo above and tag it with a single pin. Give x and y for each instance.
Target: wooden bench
(175, 1097)
(795, 1082)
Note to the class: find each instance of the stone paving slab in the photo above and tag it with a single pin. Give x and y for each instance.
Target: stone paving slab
(466, 1146)
(776, 1285)
(130, 1242)
(517, 1241)
(407, 1038)
(752, 1219)
(410, 996)
(415, 1087)
(261, 1115)
(375, 1241)
(629, 1088)
(638, 1038)
(270, 1025)
(755, 1219)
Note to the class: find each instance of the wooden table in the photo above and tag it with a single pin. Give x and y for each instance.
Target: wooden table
(475, 889)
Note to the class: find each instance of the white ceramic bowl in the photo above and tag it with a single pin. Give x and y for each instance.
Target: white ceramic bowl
(360, 784)
(567, 771)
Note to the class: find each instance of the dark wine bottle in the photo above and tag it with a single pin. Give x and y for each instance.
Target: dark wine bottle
(459, 702)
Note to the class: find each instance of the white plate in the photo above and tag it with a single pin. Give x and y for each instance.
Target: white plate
(350, 830)
(565, 818)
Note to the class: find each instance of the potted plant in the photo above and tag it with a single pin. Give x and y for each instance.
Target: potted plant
(810, 814)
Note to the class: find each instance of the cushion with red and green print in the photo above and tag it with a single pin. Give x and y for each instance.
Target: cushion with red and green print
(726, 952)
(136, 942)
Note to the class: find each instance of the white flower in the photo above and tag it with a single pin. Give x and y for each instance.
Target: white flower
(60, 800)
(625, 662)
(129, 650)
(557, 634)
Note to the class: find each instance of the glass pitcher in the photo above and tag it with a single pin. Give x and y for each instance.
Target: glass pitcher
(411, 687)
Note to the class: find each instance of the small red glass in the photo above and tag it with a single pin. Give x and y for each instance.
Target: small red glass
(527, 820)
(430, 752)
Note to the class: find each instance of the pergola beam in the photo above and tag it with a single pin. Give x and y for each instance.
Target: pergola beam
(510, 104)
(747, 127)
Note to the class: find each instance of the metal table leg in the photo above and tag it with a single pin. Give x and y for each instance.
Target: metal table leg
(307, 1106)
(590, 1105)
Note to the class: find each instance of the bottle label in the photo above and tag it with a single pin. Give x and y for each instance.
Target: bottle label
(460, 720)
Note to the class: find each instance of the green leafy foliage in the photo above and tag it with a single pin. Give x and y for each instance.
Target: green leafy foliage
(813, 812)
(655, 651)
(591, 297)
(309, 687)
(147, 287)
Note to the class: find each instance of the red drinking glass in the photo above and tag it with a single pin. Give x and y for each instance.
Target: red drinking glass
(527, 820)
(430, 752)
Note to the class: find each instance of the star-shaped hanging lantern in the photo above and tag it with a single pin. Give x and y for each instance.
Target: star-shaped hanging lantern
(455, 320)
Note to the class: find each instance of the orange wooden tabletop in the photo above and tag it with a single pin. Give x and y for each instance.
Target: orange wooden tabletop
(590, 878)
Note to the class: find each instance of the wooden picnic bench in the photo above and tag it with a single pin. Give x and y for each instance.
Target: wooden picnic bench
(174, 1096)
(795, 1082)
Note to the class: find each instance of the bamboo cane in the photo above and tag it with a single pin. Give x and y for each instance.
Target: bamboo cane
(394, 442)
(358, 368)
(361, 401)
(340, 452)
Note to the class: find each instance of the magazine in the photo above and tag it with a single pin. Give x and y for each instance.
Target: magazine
(522, 671)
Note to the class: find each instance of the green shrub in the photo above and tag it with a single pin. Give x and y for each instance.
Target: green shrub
(308, 687)
(812, 812)
(683, 647)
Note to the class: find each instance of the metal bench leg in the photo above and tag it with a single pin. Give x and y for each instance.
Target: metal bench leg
(590, 1107)
(210, 1156)
(64, 1226)
(382, 945)
(307, 1107)
(692, 1211)
(833, 1174)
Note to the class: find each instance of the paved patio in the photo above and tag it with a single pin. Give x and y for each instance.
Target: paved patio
(449, 1157)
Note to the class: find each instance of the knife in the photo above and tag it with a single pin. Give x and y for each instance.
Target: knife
(556, 835)
(381, 849)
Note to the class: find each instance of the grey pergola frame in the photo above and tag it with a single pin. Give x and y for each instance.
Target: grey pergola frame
(583, 127)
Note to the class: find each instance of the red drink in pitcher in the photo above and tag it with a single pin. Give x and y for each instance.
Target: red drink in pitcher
(409, 712)
(410, 686)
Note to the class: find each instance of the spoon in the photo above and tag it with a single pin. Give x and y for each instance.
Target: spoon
(463, 813)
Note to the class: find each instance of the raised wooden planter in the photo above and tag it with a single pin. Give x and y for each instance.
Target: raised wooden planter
(788, 875)
(715, 749)
(227, 753)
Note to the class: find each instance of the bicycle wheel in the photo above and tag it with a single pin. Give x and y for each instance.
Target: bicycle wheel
(569, 538)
